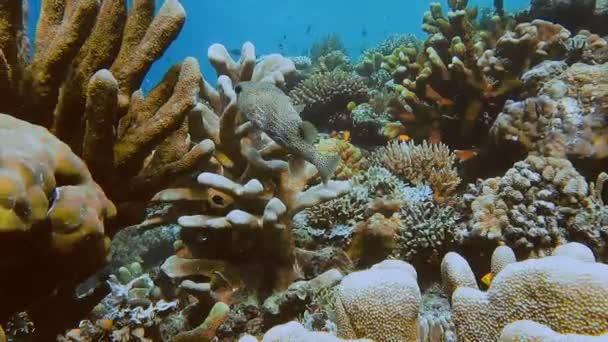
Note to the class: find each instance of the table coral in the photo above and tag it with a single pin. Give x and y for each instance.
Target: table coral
(52, 217)
(562, 291)
(82, 83)
(380, 303)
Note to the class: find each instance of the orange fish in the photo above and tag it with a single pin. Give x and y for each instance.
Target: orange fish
(464, 155)
(346, 136)
(404, 138)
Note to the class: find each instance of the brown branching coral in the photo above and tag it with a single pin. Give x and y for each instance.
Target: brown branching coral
(326, 94)
(52, 214)
(431, 164)
(90, 58)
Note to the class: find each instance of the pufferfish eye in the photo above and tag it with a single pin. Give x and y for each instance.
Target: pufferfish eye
(238, 89)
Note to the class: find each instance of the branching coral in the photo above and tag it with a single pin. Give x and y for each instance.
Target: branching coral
(431, 164)
(52, 217)
(533, 206)
(242, 243)
(90, 58)
(326, 95)
(426, 232)
(562, 291)
(388, 290)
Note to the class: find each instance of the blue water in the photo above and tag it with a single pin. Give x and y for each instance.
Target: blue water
(281, 25)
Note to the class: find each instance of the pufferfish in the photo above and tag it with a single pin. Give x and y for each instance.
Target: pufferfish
(271, 111)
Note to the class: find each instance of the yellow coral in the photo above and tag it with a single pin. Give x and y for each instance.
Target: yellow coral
(352, 160)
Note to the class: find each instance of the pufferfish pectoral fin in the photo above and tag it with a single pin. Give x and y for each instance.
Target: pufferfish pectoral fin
(308, 132)
(299, 107)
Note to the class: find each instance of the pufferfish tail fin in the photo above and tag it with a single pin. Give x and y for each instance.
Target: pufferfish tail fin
(308, 132)
(327, 164)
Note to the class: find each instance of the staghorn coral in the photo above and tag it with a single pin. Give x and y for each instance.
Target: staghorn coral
(562, 291)
(82, 83)
(533, 207)
(431, 164)
(426, 232)
(352, 160)
(326, 94)
(529, 331)
(52, 220)
(241, 249)
(387, 290)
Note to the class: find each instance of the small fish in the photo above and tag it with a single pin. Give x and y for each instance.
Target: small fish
(308, 29)
(346, 136)
(271, 111)
(363, 33)
(404, 137)
(465, 155)
(487, 279)
(284, 36)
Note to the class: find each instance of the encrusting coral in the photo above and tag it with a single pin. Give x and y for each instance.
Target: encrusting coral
(566, 292)
(82, 83)
(381, 303)
(52, 220)
(242, 244)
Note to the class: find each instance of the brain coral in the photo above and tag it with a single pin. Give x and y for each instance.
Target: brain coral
(529, 331)
(381, 303)
(52, 214)
(566, 293)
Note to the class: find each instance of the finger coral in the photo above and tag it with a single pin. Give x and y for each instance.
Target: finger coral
(563, 292)
(52, 216)
(431, 164)
(387, 290)
(82, 83)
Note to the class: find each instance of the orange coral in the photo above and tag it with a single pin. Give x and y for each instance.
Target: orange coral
(352, 160)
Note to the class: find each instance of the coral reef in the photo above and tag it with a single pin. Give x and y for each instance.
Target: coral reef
(82, 82)
(52, 219)
(431, 164)
(294, 331)
(352, 161)
(561, 291)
